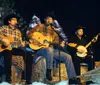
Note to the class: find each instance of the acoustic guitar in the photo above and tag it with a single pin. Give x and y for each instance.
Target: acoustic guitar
(3, 46)
(38, 41)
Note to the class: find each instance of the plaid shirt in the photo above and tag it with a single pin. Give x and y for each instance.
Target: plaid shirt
(15, 33)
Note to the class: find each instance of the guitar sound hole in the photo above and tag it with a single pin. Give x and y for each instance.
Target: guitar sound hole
(3, 46)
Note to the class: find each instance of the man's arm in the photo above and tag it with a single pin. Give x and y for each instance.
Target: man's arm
(60, 31)
(1, 32)
(2, 36)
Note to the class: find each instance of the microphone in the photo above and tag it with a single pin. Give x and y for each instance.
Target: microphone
(17, 25)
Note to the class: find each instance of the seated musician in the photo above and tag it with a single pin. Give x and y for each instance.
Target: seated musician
(11, 40)
(44, 40)
(74, 42)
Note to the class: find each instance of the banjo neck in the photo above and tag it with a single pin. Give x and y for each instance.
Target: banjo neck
(92, 40)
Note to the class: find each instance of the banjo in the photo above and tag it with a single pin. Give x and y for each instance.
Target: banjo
(83, 48)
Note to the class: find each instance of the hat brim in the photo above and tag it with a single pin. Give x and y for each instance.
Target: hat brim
(79, 27)
(9, 17)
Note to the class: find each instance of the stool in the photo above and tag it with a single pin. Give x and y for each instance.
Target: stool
(83, 68)
(39, 70)
(17, 68)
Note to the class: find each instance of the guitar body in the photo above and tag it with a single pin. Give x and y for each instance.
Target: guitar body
(41, 41)
(4, 47)
(35, 47)
(81, 54)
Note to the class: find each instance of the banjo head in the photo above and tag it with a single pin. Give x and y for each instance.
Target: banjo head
(82, 54)
(82, 47)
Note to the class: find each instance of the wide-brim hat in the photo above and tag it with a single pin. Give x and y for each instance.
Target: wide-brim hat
(79, 27)
(9, 17)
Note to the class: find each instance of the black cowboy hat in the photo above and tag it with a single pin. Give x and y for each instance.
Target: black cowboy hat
(79, 27)
(9, 17)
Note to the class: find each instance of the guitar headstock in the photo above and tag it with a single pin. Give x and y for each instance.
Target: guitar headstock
(98, 34)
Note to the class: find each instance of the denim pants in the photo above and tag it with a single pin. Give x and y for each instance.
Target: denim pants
(49, 54)
(65, 58)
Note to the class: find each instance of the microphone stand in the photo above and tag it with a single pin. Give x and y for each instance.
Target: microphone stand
(59, 62)
(58, 51)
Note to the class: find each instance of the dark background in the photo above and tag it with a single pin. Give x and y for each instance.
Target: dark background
(69, 13)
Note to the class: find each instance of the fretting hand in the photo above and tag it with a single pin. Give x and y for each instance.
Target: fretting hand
(95, 39)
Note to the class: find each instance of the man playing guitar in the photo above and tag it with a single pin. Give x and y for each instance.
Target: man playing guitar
(11, 40)
(45, 33)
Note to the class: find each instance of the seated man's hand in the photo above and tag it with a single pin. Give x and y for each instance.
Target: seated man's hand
(6, 41)
(23, 43)
(95, 39)
(72, 44)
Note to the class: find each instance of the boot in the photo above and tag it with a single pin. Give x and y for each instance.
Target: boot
(74, 81)
(8, 78)
(48, 75)
(0, 79)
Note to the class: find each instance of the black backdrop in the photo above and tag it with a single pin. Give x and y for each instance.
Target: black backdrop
(69, 13)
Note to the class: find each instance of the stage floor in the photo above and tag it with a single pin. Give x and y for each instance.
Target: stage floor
(16, 76)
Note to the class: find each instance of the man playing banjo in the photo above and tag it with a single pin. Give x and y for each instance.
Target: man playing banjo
(78, 49)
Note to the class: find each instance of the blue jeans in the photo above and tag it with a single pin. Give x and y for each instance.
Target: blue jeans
(50, 54)
(47, 53)
(67, 60)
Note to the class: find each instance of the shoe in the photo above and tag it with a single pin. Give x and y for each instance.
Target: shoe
(8, 78)
(0, 80)
(48, 75)
(28, 83)
(8, 81)
(89, 82)
(74, 81)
